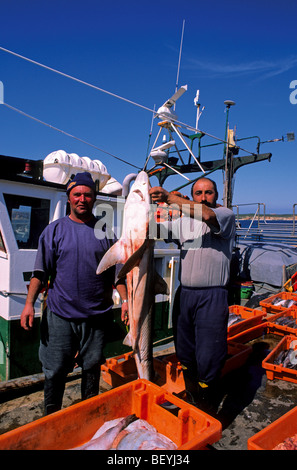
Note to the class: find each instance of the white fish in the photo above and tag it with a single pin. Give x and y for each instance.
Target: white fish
(104, 438)
(119, 434)
(233, 318)
(140, 424)
(144, 439)
(134, 250)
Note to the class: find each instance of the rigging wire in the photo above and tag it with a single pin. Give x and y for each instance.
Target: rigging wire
(67, 134)
(74, 78)
(191, 128)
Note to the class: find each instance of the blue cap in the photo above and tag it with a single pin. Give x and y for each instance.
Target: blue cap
(81, 179)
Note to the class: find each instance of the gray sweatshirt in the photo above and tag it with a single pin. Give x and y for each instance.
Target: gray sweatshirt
(205, 252)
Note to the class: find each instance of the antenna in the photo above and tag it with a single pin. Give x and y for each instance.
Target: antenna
(197, 104)
(179, 58)
(150, 134)
(164, 112)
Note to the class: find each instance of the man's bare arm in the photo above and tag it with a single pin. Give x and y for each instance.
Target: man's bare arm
(27, 316)
(188, 208)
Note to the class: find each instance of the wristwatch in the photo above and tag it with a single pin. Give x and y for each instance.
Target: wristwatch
(124, 301)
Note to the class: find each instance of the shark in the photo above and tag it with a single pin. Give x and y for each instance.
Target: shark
(135, 251)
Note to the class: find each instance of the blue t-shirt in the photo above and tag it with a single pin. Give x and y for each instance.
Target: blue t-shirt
(69, 253)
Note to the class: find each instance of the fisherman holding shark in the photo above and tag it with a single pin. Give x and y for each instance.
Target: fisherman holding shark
(80, 263)
(201, 307)
(79, 302)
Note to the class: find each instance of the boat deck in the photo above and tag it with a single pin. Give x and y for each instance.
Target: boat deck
(272, 231)
(247, 400)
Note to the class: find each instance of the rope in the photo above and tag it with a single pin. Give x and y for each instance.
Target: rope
(193, 129)
(68, 135)
(74, 78)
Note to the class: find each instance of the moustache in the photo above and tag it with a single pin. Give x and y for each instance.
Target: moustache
(206, 203)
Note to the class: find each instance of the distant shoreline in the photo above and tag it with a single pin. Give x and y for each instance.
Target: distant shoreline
(267, 217)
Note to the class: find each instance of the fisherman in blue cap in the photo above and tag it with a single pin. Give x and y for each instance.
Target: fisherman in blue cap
(79, 302)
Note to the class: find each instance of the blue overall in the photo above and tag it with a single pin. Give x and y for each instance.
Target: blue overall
(61, 340)
(200, 331)
(79, 305)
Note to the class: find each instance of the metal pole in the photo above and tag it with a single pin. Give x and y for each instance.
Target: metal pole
(227, 182)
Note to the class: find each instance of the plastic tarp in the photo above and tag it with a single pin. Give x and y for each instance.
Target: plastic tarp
(263, 262)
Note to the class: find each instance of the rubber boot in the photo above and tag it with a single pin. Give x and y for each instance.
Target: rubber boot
(191, 386)
(207, 401)
(90, 383)
(53, 394)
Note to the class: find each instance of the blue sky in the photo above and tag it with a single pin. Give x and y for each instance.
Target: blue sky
(245, 51)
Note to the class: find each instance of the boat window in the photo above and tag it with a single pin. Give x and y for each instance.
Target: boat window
(2, 244)
(29, 216)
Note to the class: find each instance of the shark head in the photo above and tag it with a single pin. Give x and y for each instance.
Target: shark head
(140, 189)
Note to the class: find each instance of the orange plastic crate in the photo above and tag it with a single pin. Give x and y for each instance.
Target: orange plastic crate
(238, 355)
(122, 369)
(283, 330)
(171, 372)
(274, 371)
(170, 369)
(252, 333)
(267, 306)
(275, 433)
(190, 428)
(119, 370)
(251, 317)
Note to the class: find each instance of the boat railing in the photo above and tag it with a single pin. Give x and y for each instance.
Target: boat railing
(258, 226)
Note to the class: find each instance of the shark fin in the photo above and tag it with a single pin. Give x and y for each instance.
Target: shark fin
(115, 255)
(127, 340)
(132, 261)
